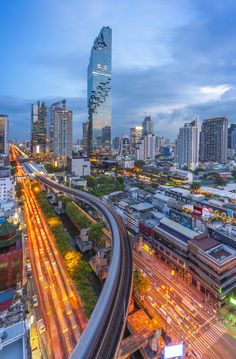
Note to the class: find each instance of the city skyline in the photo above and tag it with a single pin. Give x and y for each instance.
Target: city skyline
(161, 77)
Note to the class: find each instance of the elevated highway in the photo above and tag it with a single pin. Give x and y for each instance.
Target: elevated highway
(104, 332)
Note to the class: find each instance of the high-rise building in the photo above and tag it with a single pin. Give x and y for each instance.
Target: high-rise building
(85, 140)
(160, 142)
(60, 130)
(38, 128)
(147, 126)
(139, 151)
(213, 140)
(135, 137)
(124, 150)
(4, 134)
(51, 123)
(99, 95)
(116, 143)
(149, 147)
(232, 137)
(187, 146)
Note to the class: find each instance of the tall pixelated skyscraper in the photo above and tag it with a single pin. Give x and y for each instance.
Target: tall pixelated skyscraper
(4, 134)
(214, 140)
(99, 95)
(60, 130)
(38, 128)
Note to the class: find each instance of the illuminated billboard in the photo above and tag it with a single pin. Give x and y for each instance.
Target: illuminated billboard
(174, 351)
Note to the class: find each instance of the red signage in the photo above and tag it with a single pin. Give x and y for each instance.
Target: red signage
(197, 210)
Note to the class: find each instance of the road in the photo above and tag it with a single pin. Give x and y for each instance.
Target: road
(60, 306)
(203, 333)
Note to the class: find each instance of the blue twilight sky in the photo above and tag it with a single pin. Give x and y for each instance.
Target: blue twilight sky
(173, 59)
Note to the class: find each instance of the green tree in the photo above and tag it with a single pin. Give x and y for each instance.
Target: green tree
(195, 185)
(140, 283)
(19, 189)
(51, 169)
(218, 181)
(91, 181)
(233, 173)
(198, 170)
(139, 163)
(105, 180)
(78, 218)
(95, 234)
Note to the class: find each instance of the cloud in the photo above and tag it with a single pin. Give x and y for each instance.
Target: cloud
(173, 60)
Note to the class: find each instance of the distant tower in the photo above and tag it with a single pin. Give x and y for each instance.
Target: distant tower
(99, 95)
(4, 134)
(147, 126)
(149, 147)
(116, 144)
(85, 140)
(187, 145)
(60, 130)
(38, 128)
(124, 150)
(135, 137)
(232, 137)
(214, 140)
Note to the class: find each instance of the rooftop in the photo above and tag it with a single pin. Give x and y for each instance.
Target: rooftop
(12, 342)
(189, 233)
(219, 192)
(175, 231)
(205, 242)
(142, 206)
(221, 252)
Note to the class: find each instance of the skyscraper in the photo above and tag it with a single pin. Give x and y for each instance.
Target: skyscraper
(149, 147)
(60, 130)
(99, 95)
(187, 146)
(124, 150)
(38, 128)
(147, 126)
(4, 134)
(135, 137)
(213, 140)
(85, 139)
(232, 137)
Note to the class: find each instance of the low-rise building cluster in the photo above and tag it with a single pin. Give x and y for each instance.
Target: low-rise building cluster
(192, 234)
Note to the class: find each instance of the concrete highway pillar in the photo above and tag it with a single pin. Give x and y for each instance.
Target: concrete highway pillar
(154, 340)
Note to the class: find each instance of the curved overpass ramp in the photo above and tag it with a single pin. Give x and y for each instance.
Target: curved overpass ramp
(102, 336)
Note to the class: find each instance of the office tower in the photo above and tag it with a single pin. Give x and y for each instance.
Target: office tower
(124, 149)
(85, 139)
(4, 134)
(135, 137)
(51, 123)
(149, 147)
(147, 126)
(139, 151)
(232, 137)
(99, 95)
(160, 142)
(187, 146)
(213, 140)
(38, 128)
(116, 143)
(60, 130)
